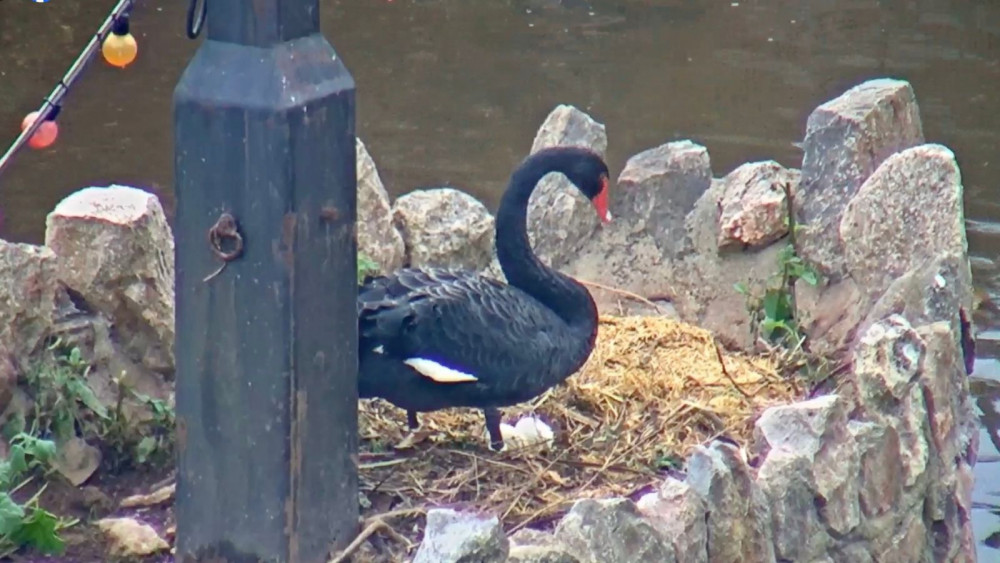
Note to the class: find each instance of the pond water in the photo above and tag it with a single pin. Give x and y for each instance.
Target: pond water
(451, 92)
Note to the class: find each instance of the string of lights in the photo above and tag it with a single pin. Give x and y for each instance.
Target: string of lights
(39, 129)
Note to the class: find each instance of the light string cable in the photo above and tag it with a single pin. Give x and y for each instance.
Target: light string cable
(51, 105)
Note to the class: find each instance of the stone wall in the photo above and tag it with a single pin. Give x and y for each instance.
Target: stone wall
(877, 468)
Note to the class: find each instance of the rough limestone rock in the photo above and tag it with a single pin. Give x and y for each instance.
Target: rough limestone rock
(886, 361)
(94, 335)
(659, 187)
(911, 543)
(830, 314)
(116, 251)
(536, 546)
(953, 428)
(677, 511)
(739, 518)
(799, 534)
(612, 531)
(702, 278)
(560, 218)
(881, 485)
(909, 210)
(130, 538)
(939, 289)
(531, 536)
(754, 208)
(655, 191)
(451, 536)
(847, 138)
(377, 236)
(901, 257)
(28, 291)
(540, 554)
(811, 454)
(445, 227)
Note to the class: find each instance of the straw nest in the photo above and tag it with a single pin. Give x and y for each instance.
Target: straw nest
(652, 389)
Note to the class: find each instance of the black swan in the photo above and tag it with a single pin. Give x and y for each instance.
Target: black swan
(435, 338)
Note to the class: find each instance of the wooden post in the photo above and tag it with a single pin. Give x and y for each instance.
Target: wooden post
(266, 288)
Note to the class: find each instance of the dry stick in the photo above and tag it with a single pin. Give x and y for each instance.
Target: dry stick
(374, 524)
(356, 543)
(623, 293)
(531, 483)
(386, 463)
(613, 467)
(725, 372)
(499, 463)
(536, 514)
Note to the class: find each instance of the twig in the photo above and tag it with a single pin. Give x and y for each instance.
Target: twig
(496, 462)
(356, 543)
(536, 514)
(537, 477)
(386, 463)
(624, 293)
(375, 523)
(722, 362)
(401, 513)
(612, 467)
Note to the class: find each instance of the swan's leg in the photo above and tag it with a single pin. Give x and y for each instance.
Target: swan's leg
(413, 436)
(493, 428)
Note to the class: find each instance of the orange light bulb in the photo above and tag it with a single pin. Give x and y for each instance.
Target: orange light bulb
(119, 50)
(44, 136)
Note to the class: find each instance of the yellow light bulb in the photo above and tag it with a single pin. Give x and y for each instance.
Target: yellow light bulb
(119, 50)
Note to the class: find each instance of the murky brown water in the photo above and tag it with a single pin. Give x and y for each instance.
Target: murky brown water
(451, 91)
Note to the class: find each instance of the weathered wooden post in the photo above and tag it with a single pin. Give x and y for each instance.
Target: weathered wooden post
(266, 341)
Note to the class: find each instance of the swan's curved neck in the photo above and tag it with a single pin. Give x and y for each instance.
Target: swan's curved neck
(569, 299)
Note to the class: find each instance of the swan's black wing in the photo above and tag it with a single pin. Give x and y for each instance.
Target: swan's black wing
(466, 322)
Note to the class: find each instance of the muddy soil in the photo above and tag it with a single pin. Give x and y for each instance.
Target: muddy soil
(100, 498)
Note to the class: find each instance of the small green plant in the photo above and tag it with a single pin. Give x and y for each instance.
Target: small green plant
(773, 314)
(134, 442)
(65, 407)
(27, 524)
(63, 402)
(366, 267)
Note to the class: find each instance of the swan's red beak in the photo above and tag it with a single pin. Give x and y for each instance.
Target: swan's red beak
(601, 201)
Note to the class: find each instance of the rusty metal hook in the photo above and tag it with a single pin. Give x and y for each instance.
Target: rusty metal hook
(225, 228)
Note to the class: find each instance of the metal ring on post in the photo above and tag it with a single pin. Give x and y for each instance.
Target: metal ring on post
(194, 24)
(225, 228)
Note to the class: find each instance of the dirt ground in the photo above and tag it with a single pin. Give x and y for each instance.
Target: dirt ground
(99, 498)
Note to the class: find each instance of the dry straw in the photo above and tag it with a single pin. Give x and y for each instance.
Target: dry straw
(652, 389)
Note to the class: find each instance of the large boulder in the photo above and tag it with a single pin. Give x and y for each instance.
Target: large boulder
(847, 138)
(378, 238)
(28, 290)
(908, 211)
(811, 455)
(445, 227)
(115, 250)
(560, 218)
(739, 518)
(612, 531)
(904, 251)
(451, 536)
(655, 191)
(677, 511)
(753, 209)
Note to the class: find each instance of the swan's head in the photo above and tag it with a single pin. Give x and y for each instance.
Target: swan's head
(588, 171)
